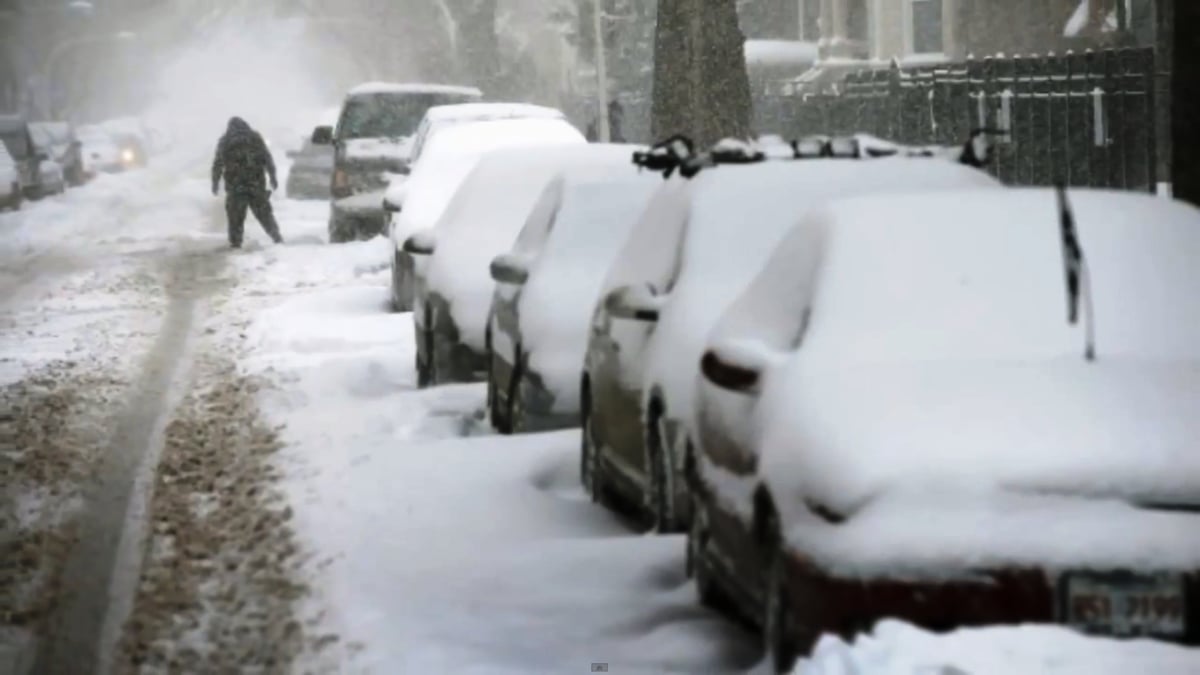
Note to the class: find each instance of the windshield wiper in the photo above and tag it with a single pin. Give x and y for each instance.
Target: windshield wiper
(1078, 278)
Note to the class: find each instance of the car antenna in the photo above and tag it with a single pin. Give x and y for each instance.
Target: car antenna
(1079, 282)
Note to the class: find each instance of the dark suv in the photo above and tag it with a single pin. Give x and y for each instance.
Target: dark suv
(372, 142)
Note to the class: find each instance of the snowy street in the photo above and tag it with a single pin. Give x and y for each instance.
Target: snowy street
(747, 337)
(425, 544)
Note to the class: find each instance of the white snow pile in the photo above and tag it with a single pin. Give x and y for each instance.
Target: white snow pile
(717, 237)
(774, 53)
(435, 549)
(596, 210)
(950, 412)
(486, 216)
(896, 648)
(451, 155)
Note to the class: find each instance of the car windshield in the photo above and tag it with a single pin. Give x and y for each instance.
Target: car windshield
(389, 115)
(17, 143)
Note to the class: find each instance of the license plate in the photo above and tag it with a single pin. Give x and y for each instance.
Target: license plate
(1126, 605)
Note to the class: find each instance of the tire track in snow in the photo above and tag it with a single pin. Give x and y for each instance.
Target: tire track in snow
(102, 571)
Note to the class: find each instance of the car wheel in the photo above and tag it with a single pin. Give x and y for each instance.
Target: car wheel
(396, 282)
(660, 507)
(424, 366)
(516, 420)
(493, 400)
(589, 469)
(779, 625)
(697, 563)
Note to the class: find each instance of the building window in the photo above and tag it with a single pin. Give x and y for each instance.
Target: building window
(927, 37)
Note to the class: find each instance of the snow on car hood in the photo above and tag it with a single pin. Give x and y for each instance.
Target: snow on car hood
(374, 149)
(959, 465)
(939, 535)
(1119, 428)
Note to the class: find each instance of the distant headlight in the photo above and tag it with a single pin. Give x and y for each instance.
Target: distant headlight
(128, 155)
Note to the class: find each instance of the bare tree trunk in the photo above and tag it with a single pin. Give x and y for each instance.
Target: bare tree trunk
(1185, 100)
(701, 88)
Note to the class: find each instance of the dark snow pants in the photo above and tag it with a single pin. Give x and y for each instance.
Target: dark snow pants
(236, 204)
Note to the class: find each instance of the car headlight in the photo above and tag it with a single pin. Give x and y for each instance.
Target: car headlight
(128, 155)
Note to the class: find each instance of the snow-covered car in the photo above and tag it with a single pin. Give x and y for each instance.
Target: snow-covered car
(100, 152)
(133, 139)
(310, 171)
(14, 133)
(699, 242)
(10, 181)
(958, 409)
(371, 143)
(58, 142)
(51, 179)
(546, 287)
(415, 203)
(453, 290)
(446, 116)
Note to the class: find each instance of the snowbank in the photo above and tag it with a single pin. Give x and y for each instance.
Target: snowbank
(896, 648)
(436, 549)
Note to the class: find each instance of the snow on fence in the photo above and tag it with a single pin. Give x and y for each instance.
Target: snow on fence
(1087, 118)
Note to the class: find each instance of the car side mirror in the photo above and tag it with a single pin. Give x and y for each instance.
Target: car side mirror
(322, 135)
(421, 243)
(510, 269)
(737, 365)
(635, 303)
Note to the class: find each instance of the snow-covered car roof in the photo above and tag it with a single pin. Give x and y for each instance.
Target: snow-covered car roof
(371, 88)
(450, 156)
(938, 372)
(482, 111)
(592, 209)
(707, 238)
(439, 118)
(488, 211)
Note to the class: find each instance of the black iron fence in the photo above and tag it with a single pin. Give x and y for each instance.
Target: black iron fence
(1089, 119)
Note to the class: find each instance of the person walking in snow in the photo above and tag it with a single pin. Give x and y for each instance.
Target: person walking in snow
(244, 161)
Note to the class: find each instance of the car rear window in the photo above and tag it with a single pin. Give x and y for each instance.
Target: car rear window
(389, 115)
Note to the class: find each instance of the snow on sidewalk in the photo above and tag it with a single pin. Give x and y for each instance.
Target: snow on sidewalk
(438, 547)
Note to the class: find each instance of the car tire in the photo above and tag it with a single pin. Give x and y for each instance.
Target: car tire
(660, 503)
(698, 568)
(425, 370)
(395, 304)
(493, 401)
(589, 464)
(516, 403)
(779, 620)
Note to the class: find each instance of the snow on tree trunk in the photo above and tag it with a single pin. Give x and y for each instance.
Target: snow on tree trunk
(701, 88)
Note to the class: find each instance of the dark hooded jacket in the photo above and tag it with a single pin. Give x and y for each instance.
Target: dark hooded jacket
(243, 159)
